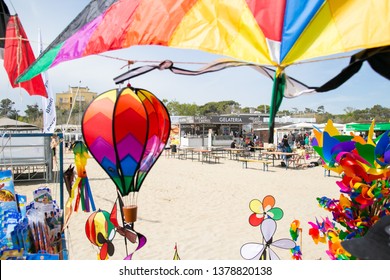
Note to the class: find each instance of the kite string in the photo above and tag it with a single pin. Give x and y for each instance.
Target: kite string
(129, 62)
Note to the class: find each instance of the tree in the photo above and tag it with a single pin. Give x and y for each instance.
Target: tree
(245, 110)
(221, 107)
(308, 110)
(321, 109)
(33, 113)
(284, 113)
(263, 108)
(177, 109)
(7, 110)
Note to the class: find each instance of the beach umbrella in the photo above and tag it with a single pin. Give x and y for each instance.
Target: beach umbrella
(126, 130)
(271, 33)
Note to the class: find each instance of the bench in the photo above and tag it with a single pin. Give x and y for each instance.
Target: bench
(216, 158)
(246, 160)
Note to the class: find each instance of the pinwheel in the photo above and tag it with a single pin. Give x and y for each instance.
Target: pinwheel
(273, 33)
(100, 232)
(365, 190)
(133, 129)
(295, 231)
(264, 209)
(176, 255)
(252, 250)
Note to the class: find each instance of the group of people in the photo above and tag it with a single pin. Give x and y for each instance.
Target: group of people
(248, 144)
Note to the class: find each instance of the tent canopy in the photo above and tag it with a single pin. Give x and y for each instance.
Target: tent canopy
(298, 126)
(366, 126)
(14, 125)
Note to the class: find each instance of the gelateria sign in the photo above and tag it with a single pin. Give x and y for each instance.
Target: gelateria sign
(221, 119)
(234, 119)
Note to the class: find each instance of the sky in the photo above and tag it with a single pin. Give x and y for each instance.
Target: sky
(243, 85)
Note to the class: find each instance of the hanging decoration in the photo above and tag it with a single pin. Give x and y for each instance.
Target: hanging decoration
(81, 189)
(134, 127)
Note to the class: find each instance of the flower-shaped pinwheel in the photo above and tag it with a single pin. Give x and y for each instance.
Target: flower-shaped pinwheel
(263, 210)
(251, 251)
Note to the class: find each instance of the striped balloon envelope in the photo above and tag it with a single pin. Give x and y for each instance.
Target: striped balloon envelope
(126, 130)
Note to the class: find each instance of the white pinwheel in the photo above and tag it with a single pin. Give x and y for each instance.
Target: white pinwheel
(252, 250)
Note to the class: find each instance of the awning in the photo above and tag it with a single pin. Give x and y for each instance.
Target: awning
(366, 126)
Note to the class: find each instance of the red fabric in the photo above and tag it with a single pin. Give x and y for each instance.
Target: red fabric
(18, 56)
(269, 16)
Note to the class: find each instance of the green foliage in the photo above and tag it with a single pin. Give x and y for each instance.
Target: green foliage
(33, 113)
(177, 109)
(377, 112)
(7, 110)
(218, 108)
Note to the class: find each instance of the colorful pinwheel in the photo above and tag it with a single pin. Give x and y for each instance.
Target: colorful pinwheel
(264, 209)
(364, 186)
(295, 231)
(176, 255)
(100, 232)
(252, 250)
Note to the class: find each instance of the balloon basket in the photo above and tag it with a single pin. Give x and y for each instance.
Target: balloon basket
(130, 213)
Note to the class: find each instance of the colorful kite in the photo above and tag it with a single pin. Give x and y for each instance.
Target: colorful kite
(273, 33)
(364, 186)
(133, 130)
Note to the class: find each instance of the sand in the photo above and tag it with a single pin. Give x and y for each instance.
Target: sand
(203, 208)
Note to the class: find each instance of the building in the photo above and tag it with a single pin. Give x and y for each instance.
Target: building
(194, 130)
(81, 95)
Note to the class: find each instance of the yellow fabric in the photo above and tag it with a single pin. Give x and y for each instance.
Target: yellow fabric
(239, 34)
(371, 132)
(332, 131)
(68, 205)
(342, 26)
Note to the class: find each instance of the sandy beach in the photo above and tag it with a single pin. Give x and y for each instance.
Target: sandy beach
(203, 208)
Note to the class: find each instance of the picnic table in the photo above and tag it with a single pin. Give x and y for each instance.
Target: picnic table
(279, 154)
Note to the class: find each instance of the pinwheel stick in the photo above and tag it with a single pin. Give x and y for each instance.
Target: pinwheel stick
(300, 238)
